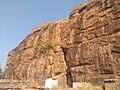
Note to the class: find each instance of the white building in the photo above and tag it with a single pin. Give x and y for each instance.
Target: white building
(50, 83)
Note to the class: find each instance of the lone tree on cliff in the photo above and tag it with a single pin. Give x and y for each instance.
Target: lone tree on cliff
(1, 72)
(45, 47)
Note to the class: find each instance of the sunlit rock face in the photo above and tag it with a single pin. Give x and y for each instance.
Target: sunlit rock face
(86, 47)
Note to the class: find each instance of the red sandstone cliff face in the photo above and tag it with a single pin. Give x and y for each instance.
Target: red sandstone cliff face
(86, 47)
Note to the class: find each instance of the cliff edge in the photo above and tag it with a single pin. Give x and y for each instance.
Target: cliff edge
(85, 47)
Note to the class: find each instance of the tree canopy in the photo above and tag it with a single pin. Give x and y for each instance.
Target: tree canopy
(46, 46)
(1, 72)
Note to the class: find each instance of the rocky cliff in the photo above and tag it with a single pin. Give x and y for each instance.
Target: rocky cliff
(86, 47)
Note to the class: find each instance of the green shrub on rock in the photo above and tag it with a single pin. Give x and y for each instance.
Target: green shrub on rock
(1, 73)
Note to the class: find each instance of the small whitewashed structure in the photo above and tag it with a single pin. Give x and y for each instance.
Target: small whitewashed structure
(50, 83)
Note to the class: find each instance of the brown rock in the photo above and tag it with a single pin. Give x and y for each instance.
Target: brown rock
(86, 47)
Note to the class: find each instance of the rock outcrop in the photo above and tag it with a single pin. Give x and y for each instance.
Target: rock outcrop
(86, 47)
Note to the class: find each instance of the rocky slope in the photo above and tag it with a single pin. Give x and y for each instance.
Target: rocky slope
(86, 47)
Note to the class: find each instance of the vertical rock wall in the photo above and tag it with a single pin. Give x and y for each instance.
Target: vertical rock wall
(86, 47)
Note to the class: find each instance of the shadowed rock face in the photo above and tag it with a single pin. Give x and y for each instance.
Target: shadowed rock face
(86, 47)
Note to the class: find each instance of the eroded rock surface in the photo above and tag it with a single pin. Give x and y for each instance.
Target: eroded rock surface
(86, 47)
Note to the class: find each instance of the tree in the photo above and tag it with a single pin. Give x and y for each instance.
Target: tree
(45, 47)
(1, 72)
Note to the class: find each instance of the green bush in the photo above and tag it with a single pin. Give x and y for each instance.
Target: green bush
(46, 46)
(1, 73)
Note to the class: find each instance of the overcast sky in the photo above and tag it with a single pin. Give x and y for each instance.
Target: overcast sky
(18, 17)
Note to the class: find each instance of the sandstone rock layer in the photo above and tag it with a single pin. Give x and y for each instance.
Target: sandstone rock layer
(86, 47)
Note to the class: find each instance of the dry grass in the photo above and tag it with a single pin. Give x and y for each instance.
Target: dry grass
(82, 86)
